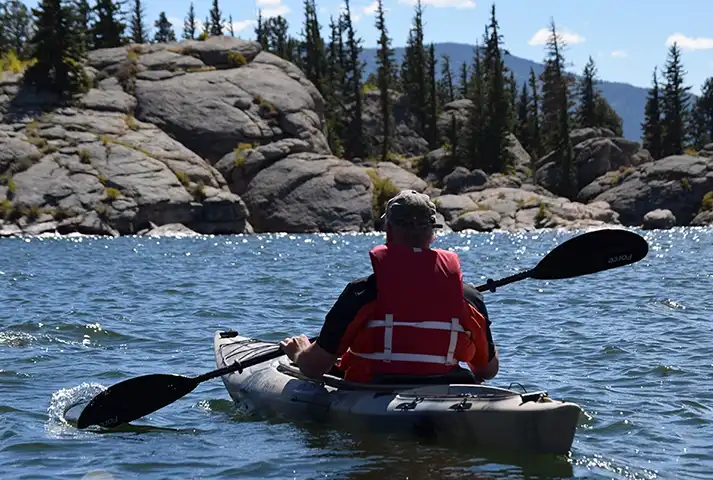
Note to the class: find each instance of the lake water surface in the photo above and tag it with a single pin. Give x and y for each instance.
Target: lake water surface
(633, 346)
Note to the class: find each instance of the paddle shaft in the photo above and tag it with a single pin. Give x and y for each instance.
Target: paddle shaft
(491, 284)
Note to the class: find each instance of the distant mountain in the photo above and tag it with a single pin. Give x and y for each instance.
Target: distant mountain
(627, 100)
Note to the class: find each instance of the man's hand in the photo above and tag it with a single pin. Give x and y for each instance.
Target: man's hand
(293, 346)
(310, 358)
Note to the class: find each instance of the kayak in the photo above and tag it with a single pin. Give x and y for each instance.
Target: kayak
(440, 407)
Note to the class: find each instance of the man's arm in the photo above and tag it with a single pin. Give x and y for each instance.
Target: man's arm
(475, 298)
(319, 357)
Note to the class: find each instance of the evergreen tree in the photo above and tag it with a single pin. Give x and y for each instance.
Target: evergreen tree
(16, 26)
(556, 118)
(512, 92)
(413, 72)
(675, 104)
(260, 31)
(463, 82)
(108, 30)
(138, 29)
(58, 49)
(448, 94)
(205, 31)
(470, 145)
(534, 121)
(231, 28)
(385, 79)
(703, 116)
(446, 85)
(85, 17)
(495, 154)
(652, 127)
(190, 25)
(313, 44)
(586, 115)
(354, 70)
(522, 126)
(432, 99)
(607, 117)
(216, 20)
(164, 30)
(333, 86)
(593, 110)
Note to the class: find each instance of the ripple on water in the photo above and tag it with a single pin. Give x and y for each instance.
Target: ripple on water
(631, 345)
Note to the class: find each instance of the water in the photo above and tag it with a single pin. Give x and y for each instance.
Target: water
(631, 345)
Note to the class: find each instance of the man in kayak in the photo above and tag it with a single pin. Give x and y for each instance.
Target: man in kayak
(421, 320)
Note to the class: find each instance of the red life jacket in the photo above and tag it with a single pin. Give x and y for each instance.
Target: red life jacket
(420, 322)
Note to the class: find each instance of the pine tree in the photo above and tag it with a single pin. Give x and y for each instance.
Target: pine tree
(108, 30)
(260, 33)
(313, 44)
(164, 30)
(534, 121)
(138, 29)
(16, 25)
(354, 70)
(555, 118)
(333, 83)
(586, 115)
(448, 94)
(675, 104)
(463, 81)
(58, 50)
(470, 146)
(205, 31)
(216, 20)
(231, 28)
(702, 124)
(446, 85)
(522, 126)
(652, 127)
(85, 17)
(495, 154)
(413, 72)
(385, 79)
(432, 99)
(190, 25)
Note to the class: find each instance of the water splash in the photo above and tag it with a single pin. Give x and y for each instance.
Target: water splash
(66, 405)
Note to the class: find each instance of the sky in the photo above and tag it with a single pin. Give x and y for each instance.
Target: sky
(626, 38)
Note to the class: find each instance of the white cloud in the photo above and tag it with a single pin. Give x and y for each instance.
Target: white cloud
(371, 9)
(690, 43)
(543, 35)
(272, 8)
(459, 4)
(619, 54)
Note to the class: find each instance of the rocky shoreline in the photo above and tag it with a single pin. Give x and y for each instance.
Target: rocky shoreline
(222, 138)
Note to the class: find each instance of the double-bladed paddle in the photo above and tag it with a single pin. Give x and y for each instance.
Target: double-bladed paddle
(134, 398)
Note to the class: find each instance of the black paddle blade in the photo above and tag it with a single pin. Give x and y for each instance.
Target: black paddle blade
(134, 398)
(590, 253)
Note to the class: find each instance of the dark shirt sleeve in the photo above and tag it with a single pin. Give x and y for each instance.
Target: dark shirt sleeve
(352, 299)
(475, 298)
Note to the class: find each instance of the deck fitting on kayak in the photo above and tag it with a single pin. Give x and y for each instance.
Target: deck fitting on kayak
(461, 406)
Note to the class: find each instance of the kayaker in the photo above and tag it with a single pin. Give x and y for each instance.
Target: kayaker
(421, 320)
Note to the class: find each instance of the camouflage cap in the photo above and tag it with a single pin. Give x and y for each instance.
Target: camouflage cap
(410, 209)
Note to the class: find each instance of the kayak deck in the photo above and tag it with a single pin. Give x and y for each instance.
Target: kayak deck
(483, 415)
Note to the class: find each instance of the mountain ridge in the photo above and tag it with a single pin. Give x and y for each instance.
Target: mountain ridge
(626, 99)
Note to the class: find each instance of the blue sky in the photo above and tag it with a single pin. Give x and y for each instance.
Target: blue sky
(626, 38)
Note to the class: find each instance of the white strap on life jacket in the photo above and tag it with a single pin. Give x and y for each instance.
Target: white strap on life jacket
(387, 355)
